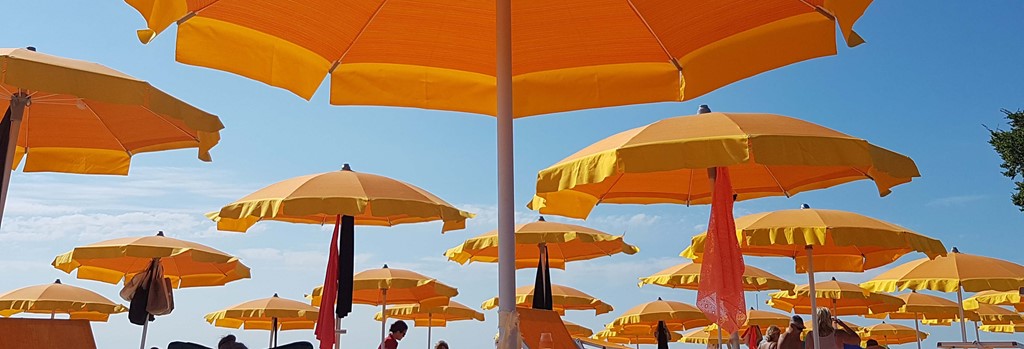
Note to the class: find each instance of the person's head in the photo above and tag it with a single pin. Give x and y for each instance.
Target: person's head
(772, 333)
(227, 342)
(441, 345)
(824, 324)
(398, 329)
(796, 322)
(872, 343)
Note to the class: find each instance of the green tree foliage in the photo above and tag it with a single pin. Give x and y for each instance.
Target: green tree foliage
(1010, 146)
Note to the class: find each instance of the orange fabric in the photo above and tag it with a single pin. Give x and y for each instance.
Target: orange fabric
(46, 334)
(533, 322)
(428, 47)
(720, 293)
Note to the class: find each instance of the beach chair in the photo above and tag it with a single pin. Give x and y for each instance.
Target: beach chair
(533, 322)
(46, 334)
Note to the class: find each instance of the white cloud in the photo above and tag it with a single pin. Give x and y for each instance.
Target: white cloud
(98, 226)
(289, 259)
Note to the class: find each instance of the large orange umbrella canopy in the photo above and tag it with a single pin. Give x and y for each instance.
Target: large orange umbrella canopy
(632, 337)
(841, 240)
(577, 330)
(565, 243)
(260, 314)
(400, 286)
(996, 298)
(955, 271)
(921, 306)
(842, 298)
(441, 55)
(88, 118)
(562, 297)
(438, 316)
(57, 298)
(887, 334)
(687, 276)
(186, 263)
(667, 162)
(644, 318)
(320, 198)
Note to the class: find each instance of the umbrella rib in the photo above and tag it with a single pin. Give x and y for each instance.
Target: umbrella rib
(617, 178)
(107, 127)
(356, 38)
(655, 35)
(784, 191)
(162, 118)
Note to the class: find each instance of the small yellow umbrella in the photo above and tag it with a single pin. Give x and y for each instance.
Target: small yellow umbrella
(955, 272)
(644, 318)
(1014, 328)
(891, 334)
(667, 162)
(996, 298)
(842, 297)
(633, 337)
(563, 298)
(985, 314)
(271, 314)
(564, 243)
(87, 118)
(577, 330)
(919, 306)
(185, 263)
(703, 336)
(57, 298)
(759, 318)
(380, 286)
(431, 317)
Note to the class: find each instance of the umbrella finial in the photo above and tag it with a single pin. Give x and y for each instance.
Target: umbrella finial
(160, 233)
(955, 250)
(704, 108)
(57, 281)
(346, 167)
(541, 219)
(833, 278)
(385, 266)
(31, 48)
(659, 298)
(275, 295)
(805, 206)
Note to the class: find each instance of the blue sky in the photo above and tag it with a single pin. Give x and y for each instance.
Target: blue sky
(924, 85)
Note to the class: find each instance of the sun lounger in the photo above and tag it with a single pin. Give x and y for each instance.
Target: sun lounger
(533, 322)
(45, 334)
(980, 345)
(187, 345)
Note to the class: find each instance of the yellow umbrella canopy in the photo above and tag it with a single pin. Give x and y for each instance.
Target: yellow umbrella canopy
(838, 240)
(995, 298)
(703, 336)
(186, 263)
(88, 118)
(639, 53)
(951, 273)
(262, 314)
(887, 334)
(563, 298)
(57, 298)
(921, 306)
(565, 243)
(842, 298)
(320, 198)
(633, 337)
(759, 318)
(644, 318)
(577, 330)
(438, 316)
(394, 286)
(667, 162)
(994, 315)
(1003, 328)
(687, 276)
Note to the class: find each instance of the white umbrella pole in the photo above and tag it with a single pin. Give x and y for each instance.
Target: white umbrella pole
(813, 295)
(337, 333)
(430, 325)
(719, 337)
(977, 335)
(53, 314)
(145, 327)
(508, 330)
(917, 330)
(383, 312)
(960, 301)
(18, 103)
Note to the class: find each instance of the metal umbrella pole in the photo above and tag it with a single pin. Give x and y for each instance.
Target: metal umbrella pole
(16, 111)
(508, 330)
(383, 312)
(917, 330)
(814, 295)
(963, 320)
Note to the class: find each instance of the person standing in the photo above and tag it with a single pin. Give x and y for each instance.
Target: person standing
(396, 333)
(771, 338)
(791, 338)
